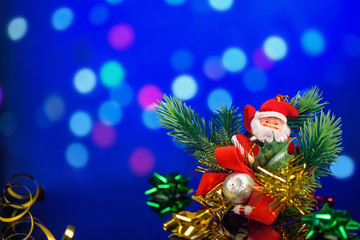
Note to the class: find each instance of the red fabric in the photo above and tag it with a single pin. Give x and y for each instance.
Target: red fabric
(230, 157)
(249, 112)
(247, 144)
(279, 105)
(261, 212)
(258, 231)
(208, 181)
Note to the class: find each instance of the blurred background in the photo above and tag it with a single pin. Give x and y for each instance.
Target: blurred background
(78, 79)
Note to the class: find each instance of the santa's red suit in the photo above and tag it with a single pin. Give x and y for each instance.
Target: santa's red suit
(246, 147)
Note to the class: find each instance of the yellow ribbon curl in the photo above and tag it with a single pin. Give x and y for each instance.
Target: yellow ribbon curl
(18, 198)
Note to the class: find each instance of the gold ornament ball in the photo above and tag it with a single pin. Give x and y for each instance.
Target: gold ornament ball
(238, 187)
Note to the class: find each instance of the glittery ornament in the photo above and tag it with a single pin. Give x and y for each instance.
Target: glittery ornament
(238, 187)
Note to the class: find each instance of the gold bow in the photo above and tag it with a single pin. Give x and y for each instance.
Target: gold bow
(203, 223)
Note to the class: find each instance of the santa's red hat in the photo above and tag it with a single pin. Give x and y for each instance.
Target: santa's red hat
(275, 107)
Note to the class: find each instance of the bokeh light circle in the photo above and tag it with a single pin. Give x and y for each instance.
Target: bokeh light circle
(219, 97)
(142, 162)
(150, 119)
(62, 18)
(148, 95)
(77, 155)
(255, 80)
(343, 168)
(184, 87)
(123, 94)
(112, 74)
(261, 61)
(7, 124)
(351, 45)
(182, 60)
(114, 1)
(121, 36)
(313, 42)
(110, 113)
(17, 28)
(234, 59)
(175, 2)
(221, 5)
(54, 108)
(104, 136)
(98, 14)
(85, 80)
(80, 123)
(275, 48)
(214, 68)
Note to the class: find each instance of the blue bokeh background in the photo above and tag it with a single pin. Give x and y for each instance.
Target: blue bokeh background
(94, 168)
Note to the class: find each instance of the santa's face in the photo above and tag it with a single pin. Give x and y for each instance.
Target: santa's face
(272, 122)
(266, 128)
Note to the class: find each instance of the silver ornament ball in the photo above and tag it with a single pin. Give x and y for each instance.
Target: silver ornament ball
(238, 187)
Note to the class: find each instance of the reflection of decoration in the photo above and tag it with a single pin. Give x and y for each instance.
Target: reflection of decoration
(292, 187)
(320, 202)
(330, 222)
(18, 196)
(168, 194)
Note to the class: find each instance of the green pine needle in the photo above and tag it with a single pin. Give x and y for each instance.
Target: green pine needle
(191, 131)
(308, 105)
(187, 128)
(319, 141)
(227, 123)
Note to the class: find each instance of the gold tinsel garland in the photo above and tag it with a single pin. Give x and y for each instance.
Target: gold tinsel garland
(292, 188)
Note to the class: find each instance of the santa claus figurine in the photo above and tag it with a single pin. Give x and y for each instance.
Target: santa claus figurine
(266, 125)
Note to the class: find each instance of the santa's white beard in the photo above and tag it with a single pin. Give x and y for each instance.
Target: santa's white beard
(267, 134)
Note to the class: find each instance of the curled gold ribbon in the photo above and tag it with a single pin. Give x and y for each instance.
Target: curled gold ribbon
(18, 196)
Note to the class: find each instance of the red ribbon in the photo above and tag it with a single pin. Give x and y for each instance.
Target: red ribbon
(231, 158)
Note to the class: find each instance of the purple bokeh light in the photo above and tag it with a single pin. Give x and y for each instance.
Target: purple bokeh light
(214, 69)
(261, 61)
(121, 36)
(104, 136)
(149, 95)
(141, 162)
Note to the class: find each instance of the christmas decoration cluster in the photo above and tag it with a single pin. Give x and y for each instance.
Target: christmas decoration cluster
(258, 182)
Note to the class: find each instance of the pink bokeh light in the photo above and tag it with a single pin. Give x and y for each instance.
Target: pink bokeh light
(214, 69)
(121, 36)
(104, 136)
(141, 162)
(148, 95)
(261, 61)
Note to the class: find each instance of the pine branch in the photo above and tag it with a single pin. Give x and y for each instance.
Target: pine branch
(319, 142)
(187, 128)
(227, 123)
(209, 161)
(308, 105)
